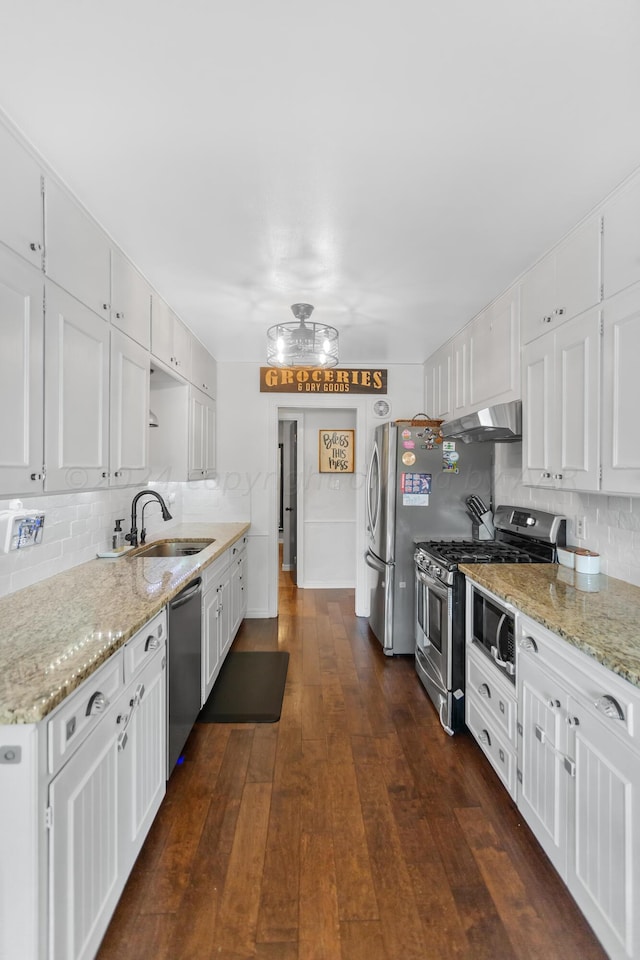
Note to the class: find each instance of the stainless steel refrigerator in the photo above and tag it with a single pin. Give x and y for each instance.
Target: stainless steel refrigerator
(416, 490)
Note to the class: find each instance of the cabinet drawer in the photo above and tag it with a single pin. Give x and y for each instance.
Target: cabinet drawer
(211, 574)
(484, 687)
(494, 745)
(603, 693)
(144, 644)
(82, 711)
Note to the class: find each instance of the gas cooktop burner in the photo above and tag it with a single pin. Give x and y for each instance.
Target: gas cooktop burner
(452, 552)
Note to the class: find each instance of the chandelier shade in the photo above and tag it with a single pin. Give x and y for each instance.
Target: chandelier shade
(302, 344)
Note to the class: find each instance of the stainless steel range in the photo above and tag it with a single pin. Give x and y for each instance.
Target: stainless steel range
(522, 536)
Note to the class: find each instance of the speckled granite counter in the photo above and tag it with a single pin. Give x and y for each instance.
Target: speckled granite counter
(602, 620)
(56, 633)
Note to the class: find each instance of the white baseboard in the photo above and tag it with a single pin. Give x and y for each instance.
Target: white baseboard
(331, 585)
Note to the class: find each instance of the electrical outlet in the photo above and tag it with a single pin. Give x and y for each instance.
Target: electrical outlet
(581, 528)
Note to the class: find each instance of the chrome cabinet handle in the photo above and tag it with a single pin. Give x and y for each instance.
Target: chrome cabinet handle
(557, 476)
(573, 721)
(153, 643)
(98, 703)
(559, 312)
(545, 476)
(484, 737)
(529, 644)
(484, 690)
(547, 319)
(610, 707)
(36, 247)
(553, 704)
(36, 476)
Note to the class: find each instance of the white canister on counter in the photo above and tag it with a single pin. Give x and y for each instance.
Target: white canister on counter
(586, 561)
(567, 557)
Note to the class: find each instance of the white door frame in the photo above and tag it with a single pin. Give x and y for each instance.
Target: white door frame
(302, 402)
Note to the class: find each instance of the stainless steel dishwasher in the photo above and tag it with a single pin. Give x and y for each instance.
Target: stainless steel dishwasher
(184, 674)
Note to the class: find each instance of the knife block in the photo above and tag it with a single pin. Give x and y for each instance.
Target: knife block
(480, 532)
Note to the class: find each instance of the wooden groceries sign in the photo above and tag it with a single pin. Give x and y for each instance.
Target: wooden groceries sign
(322, 380)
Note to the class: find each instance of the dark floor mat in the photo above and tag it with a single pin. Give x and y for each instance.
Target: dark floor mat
(249, 688)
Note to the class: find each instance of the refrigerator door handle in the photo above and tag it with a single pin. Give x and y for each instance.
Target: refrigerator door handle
(375, 563)
(372, 521)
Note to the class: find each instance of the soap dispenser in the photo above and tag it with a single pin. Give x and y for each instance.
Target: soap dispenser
(118, 536)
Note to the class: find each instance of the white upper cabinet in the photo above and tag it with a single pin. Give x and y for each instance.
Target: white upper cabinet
(130, 300)
(494, 352)
(202, 435)
(77, 250)
(621, 241)
(437, 384)
(170, 339)
(21, 372)
(565, 283)
(203, 368)
(561, 406)
(20, 200)
(621, 350)
(76, 394)
(129, 412)
(460, 372)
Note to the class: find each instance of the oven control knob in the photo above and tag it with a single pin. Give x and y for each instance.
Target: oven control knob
(531, 521)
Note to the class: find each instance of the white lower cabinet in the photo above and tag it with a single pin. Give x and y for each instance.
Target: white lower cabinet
(579, 783)
(490, 714)
(224, 604)
(79, 793)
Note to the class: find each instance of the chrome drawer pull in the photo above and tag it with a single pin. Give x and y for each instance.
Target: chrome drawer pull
(484, 690)
(98, 703)
(529, 644)
(610, 707)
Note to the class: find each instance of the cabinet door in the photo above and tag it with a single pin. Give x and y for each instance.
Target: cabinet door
(621, 349)
(604, 873)
(621, 240)
(537, 411)
(130, 300)
(162, 331)
(20, 200)
(575, 423)
(76, 393)
(225, 636)
(236, 594)
(210, 439)
(84, 859)
(203, 368)
(143, 758)
(460, 373)
(543, 788)
(538, 296)
(210, 641)
(438, 384)
(495, 352)
(129, 411)
(197, 434)
(578, 273)
(21, 376)
(182, 348)
(77, 251)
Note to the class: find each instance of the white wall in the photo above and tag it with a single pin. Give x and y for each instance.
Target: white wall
(613, 523)
(328, 508)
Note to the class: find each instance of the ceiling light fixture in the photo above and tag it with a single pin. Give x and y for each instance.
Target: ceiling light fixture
(302, 344)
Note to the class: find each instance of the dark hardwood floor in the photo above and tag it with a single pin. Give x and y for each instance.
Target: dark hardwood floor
(352, 829)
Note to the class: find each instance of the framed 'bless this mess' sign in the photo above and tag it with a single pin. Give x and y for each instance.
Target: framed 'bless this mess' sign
(336, 451)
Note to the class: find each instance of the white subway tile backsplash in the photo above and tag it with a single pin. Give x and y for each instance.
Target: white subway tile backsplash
(613, 522)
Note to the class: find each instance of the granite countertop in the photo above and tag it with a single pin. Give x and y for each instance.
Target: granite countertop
(597, 614)
(54, 634)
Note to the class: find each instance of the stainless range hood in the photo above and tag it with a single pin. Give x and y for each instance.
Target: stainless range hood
(501, 422)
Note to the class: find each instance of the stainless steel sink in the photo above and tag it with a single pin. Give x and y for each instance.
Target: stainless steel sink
(174, 548)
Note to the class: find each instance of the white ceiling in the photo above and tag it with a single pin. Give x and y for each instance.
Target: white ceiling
(394, 162)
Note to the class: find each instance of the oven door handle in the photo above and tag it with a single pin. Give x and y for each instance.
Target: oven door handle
(495, 650)
(440, 588)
